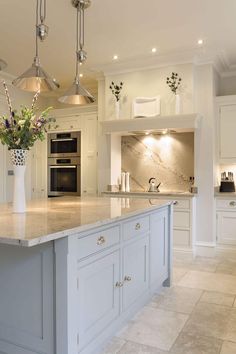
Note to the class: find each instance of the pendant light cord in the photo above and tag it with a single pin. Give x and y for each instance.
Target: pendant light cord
(36, 37)
(77, 45)
(42, 10)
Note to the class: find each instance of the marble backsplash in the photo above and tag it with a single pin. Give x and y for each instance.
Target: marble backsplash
(168, 158)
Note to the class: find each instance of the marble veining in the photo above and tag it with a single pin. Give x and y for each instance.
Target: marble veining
(168, 158)
(50, 219)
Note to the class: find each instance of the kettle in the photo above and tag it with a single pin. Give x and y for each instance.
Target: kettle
(152, 185)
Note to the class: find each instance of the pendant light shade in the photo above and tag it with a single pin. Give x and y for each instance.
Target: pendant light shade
(36, 79)
(3, 64)
(77, 94)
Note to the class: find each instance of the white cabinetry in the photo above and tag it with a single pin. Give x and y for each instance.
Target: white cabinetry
(226, 128)
(86, 122)
(226, 221)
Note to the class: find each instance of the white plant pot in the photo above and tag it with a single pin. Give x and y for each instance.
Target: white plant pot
(177, 104)
(18, 158)
(19, 205)
(117, 109)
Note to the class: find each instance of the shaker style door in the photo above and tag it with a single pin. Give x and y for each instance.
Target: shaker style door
(98, 296)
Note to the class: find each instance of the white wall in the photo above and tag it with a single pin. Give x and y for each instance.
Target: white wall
(150, 83)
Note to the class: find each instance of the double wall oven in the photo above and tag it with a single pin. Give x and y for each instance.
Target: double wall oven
(64, 167)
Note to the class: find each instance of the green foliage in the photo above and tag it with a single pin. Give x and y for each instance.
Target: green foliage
(174, 82)
(23, 128)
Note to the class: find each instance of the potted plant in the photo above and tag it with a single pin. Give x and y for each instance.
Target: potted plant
(116, 91)
(174, 83)
(19, 131)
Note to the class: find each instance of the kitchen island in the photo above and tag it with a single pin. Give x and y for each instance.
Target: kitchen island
(74, 270)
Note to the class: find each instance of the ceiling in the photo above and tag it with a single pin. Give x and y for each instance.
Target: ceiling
(128, 28)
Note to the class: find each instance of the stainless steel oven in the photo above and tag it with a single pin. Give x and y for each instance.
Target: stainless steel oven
(64, 175)
(64, 144)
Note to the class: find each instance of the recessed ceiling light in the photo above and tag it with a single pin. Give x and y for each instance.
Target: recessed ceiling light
(200, 42)
(147, 133)
(154, 50)
(165, 131)
(115, 57)
(81, 75)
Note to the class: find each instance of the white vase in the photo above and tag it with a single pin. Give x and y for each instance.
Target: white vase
(177, 104)
(117, 109)
(18, 158)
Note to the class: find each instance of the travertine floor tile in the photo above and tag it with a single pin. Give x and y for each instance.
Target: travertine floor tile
(198, 263)
(178, 274)
(209, 320)
(114, 346)
(218, 282)
(218, 298)
(178, 299)
(191, 344)
(135, 348)
(228, 348)
(230, 331)
(227, 267)
(155, 327)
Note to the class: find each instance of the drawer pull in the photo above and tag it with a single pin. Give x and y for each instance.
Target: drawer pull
(176, 202)
(119, 284)
(101, 240)
(233, 203)
(127, 278)
(137, 226)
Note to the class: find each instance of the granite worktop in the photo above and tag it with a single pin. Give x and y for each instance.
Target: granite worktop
(51, 219)
(163, 194)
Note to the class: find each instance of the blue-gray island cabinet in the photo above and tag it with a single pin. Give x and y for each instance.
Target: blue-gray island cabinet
(83, 267)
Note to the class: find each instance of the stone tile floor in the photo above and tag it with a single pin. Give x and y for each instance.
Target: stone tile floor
(197, 315)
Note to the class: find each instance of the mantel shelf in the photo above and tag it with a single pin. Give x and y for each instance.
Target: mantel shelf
(180, 123)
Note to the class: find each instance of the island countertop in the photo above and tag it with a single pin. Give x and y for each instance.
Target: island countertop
(50, 219)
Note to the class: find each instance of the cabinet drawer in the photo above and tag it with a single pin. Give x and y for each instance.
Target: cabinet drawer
(181, 204)
(181, 238)
(181, 219)
(226, 204)
(135, 227)
(98, 241)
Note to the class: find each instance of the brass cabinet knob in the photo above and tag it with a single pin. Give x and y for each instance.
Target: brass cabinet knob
(127, 278)
(137, 226)
(101, 240)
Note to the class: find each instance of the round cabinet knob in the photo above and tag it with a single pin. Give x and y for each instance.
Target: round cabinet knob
(119, 284)
(137, 226)
(101, 240)
(127, 278)
(233, 203)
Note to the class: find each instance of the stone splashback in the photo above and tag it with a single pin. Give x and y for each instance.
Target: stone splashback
(168, 158)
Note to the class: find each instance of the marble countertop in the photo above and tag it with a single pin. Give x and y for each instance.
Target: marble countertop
(225, 194)
(153, 194)
(54, 218)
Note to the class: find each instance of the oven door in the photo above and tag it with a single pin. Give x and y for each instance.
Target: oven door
(63, 177)
(64, 144)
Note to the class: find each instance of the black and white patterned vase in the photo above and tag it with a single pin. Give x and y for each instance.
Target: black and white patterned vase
(18, 157)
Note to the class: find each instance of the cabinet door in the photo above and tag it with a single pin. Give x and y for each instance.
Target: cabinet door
(227, 128)
(159, 248)
(98, 296)
(226, 228)
(39, 170)
(135, 271)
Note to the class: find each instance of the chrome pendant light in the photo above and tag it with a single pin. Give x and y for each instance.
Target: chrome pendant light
(77, 94)
(36, 78)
